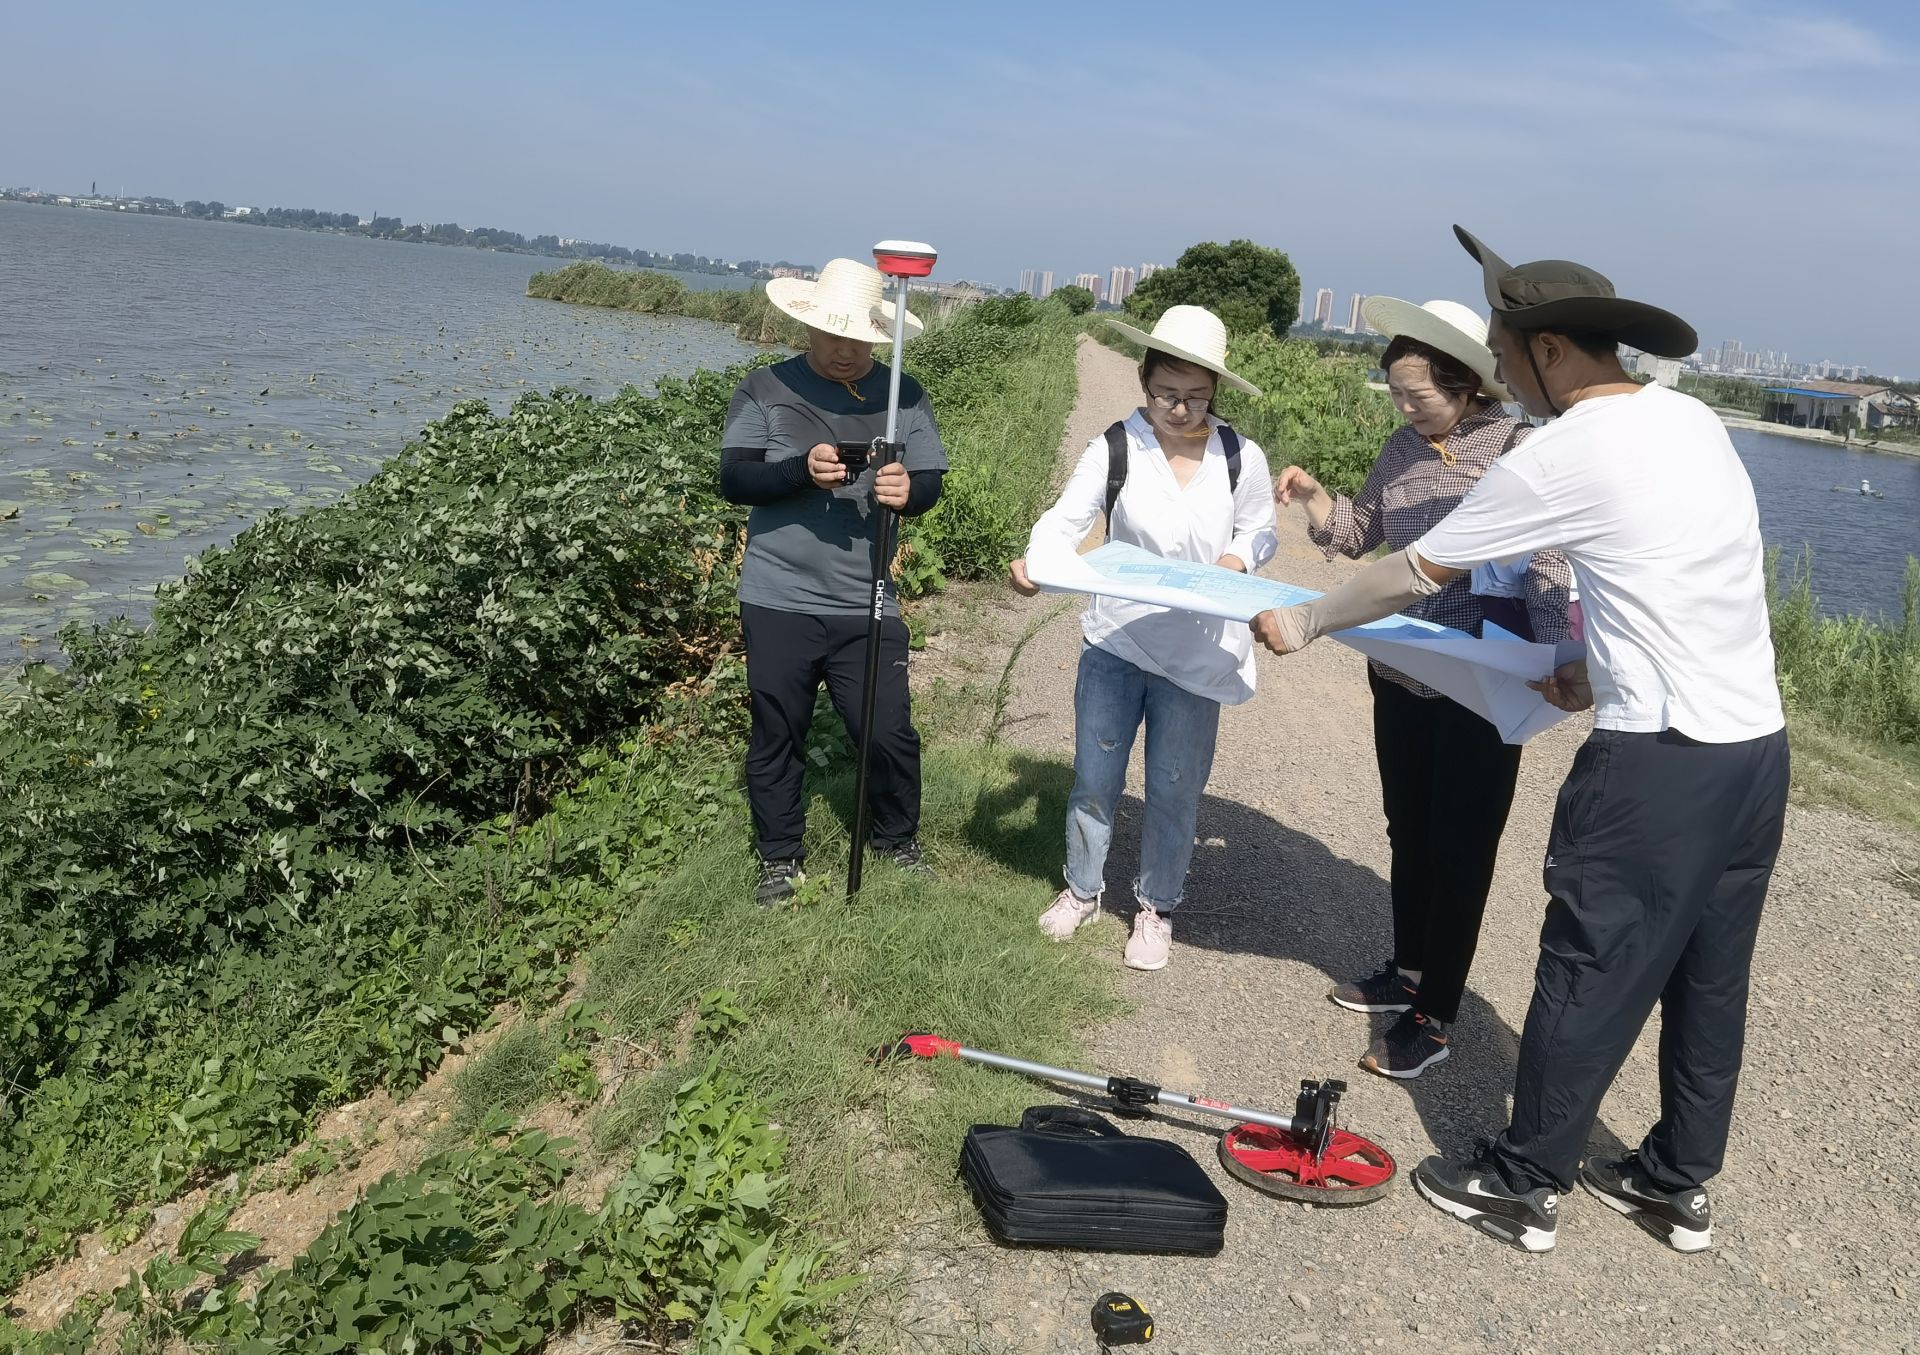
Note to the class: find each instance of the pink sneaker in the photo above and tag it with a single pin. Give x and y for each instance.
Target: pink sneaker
(1067, 914)
(1151, 945)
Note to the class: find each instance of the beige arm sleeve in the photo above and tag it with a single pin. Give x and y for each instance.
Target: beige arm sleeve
(1381, 589)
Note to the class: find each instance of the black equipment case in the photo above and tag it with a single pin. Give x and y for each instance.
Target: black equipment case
(1068, 1178)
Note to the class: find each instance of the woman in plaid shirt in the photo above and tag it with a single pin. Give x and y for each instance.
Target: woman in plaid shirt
(1446, 778)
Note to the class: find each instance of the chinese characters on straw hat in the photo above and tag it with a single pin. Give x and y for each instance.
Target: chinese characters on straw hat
(1192, 334)
(1446, 325)
(847, 299)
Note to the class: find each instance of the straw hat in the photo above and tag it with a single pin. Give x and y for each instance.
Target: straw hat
(1446, 325)
(846, 299)
(1192, 334)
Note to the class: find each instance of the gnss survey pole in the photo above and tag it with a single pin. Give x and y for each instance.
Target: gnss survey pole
(904, 260)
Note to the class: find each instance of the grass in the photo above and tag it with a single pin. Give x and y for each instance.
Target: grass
(813, 988)
(1836, 768)
(1858, 674)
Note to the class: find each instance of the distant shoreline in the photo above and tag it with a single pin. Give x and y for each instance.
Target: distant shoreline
(1910, 449)
(484, 238)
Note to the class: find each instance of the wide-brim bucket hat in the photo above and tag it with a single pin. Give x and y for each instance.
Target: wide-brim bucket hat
(1192, 334)
(1558, 295)
(1453, 329)
(848, 299)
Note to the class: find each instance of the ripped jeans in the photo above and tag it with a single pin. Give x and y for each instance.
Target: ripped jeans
(1110, 698)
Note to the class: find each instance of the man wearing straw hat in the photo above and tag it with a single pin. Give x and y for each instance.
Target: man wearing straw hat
(805, 584)
(1666, 831)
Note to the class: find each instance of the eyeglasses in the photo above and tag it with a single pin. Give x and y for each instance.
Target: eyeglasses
(1168, 403)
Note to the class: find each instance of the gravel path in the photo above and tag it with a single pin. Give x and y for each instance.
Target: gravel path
(1815, 1212)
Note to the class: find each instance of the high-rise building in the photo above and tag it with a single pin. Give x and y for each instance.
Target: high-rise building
(1303, 305)
(1046, 284)
(1147, 270)
(1323, 308)
(1029, 282)
(1353, 313)
(1093, 282)
(1120, 284)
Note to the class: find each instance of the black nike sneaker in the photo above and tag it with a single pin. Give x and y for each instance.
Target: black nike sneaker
(1473, 1192)
(1679, 1218)
(1384, 990)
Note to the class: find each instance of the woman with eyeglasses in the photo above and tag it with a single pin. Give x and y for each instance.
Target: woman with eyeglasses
(1174, 480)
(1446, 778)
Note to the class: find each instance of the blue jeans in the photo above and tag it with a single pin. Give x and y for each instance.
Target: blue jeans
(1110, 699)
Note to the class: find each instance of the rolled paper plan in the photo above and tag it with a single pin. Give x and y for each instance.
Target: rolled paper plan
(1488, 676)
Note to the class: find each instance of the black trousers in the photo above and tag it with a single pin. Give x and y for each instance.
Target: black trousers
(1446, 782)
(1657, 868)
(789, 654)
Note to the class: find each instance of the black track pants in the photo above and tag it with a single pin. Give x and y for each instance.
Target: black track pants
(1446, 782)
(789, 654)
(1657, 868)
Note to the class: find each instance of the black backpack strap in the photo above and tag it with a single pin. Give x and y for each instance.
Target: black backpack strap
(1116, 468)
(1230, 443)
(1513, 436)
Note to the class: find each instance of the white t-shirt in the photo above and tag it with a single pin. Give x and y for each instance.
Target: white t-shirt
(1203, 521)
(1648, 499)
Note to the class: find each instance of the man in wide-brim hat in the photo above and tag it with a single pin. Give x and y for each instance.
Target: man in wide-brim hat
(1665, 833)
(806, 580)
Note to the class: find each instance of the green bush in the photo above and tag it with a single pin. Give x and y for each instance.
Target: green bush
(479, 1250)
(1314, 411)
(240, 878)
(196, 1069)
(1001, 393)
(746, 309)
(354, 685)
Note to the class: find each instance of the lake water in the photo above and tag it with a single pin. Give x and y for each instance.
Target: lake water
(164, 382)
(1860, 544)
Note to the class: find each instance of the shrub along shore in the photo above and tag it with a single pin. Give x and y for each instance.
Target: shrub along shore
(650, 293)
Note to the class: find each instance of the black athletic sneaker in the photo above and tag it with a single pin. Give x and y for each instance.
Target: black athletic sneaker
(1473, 1192)
(1385, 990)
(908, 856)
(779, 881)
(1679, 1218)
(1408, 1047)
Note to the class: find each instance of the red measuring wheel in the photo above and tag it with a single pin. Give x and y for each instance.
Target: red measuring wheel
(1353, 1170)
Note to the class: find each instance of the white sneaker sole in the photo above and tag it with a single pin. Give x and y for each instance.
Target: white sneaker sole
(1529, 1239)
(1383, 1009)
(1676, 1237)
(1132, 963)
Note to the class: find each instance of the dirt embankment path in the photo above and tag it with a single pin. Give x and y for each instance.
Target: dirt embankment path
(1815, 1212)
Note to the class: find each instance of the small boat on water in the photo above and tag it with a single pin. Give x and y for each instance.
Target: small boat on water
(1866, 490)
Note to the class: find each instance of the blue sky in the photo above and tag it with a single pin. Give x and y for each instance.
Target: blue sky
(1752, 166)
